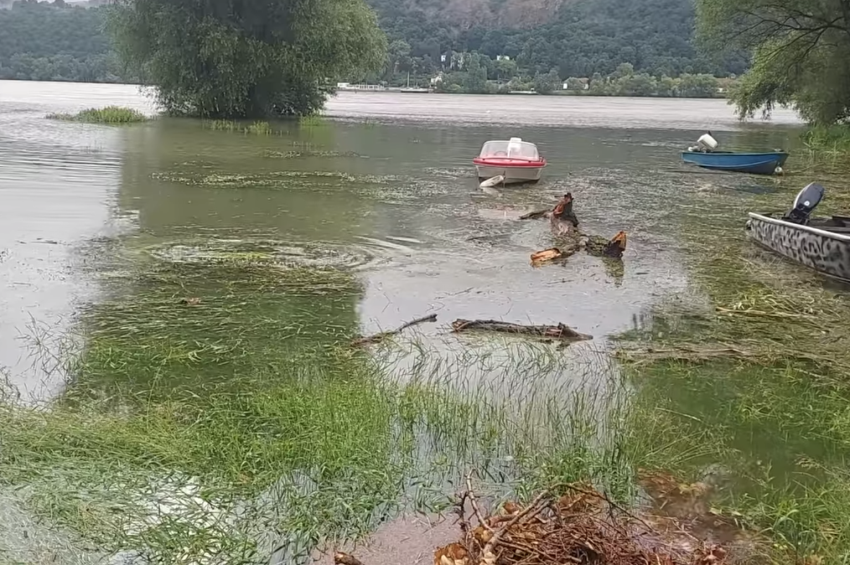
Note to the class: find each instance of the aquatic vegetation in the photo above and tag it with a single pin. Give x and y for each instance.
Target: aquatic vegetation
(760, 372)
(259, 128)
(312, 121)
(254, 128)
(217, 413)
(308, 153)
(107, 115)
(274, 179)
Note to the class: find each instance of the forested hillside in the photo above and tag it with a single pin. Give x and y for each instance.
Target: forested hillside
(576, 38)
(41, 41)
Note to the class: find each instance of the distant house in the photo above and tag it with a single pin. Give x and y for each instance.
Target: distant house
(502, 58)
(723, 84)
(576, 84)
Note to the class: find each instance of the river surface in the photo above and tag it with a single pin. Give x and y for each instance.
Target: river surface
(385, 187)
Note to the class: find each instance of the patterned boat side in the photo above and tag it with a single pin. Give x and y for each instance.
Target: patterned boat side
(821, 250)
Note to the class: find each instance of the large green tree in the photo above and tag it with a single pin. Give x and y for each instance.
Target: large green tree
(801, 53)
(246, 58)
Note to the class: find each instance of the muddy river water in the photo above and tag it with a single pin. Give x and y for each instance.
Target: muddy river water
(382, 187)
(386, 187)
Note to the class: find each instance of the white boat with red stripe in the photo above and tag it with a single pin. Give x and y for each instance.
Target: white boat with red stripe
(515, 160)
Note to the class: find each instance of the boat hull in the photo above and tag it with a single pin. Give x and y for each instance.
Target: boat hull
(824, 251)
(753, 163)
(513, 175)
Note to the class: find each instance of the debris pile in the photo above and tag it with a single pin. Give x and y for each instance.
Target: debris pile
(565, 226)
(581, 526)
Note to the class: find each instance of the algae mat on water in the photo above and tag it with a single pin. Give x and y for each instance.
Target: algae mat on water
(215, 415)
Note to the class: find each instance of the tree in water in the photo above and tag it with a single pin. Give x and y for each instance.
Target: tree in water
(246, 58)
(801, 53)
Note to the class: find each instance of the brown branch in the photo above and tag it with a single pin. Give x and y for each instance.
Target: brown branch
(474, 503)
(536, 215)
(531, 510)
(379, 337)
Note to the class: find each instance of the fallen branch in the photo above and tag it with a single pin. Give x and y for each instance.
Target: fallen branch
(379, 337)
(560, 331)
(536, 215)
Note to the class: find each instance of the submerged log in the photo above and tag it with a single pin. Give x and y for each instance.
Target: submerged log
(560, 331)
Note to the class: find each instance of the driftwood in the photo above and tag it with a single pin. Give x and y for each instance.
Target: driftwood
(553, 332)
(564, 224)
(379, 337)
(540, 257)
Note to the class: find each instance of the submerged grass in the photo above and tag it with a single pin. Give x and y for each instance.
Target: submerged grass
(760, 370)
(107, 115)
(254, 128)
(217, 415)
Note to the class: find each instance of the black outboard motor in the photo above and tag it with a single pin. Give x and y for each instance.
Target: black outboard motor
(806, 201)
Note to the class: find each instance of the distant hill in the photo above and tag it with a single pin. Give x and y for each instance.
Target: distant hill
(577, 38)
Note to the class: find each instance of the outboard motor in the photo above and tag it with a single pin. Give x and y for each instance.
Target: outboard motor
(705, 144)
(805, 202)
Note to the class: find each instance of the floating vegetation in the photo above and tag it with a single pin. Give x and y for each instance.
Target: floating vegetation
(310, 153)
(304, 257)
(273, 179)
(107, 115)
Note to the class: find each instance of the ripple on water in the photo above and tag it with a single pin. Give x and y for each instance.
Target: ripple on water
(287, 255)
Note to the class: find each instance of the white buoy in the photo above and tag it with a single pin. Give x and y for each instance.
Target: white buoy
(492, 181)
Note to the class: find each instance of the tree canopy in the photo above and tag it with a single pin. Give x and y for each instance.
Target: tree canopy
(246, 58)
(801, 53)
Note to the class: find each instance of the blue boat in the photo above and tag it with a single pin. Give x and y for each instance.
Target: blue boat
(753, 163)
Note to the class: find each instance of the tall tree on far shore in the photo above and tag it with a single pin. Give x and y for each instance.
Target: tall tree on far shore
(801, 53)
(246, 58)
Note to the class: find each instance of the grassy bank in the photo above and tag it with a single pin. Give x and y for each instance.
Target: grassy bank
(217, 414)
(756, 359)
(108, 115)
(827, 149)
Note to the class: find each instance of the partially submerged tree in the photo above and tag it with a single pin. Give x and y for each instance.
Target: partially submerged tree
(246, 58)
(801, 53)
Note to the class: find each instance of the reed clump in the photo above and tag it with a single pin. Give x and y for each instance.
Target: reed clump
(113, 115)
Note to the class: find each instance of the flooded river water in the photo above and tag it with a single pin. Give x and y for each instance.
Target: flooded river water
(216, 275)
(386, 188)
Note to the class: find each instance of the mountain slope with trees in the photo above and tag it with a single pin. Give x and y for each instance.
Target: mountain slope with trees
(575, 38)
